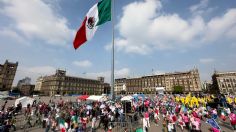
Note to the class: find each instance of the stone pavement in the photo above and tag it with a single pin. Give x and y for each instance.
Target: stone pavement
(225, 126)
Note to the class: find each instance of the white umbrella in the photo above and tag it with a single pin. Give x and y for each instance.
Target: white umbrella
(24, 101)
(102, 106)
(127, 98)
(110, 102)
(112, 108)
(89, 107)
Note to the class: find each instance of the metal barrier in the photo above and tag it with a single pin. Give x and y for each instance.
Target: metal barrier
(126, 126)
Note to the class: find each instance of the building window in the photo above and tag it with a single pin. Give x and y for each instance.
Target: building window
(223, 85)
(229, 85)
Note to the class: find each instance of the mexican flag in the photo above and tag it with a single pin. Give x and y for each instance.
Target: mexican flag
(62, 125)
(223, 115)
(97, 15)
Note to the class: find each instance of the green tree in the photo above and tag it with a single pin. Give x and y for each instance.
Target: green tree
(178, 89)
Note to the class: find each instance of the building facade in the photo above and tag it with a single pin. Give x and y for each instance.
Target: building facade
(27, 89)
(207, 87)
(38, 84)
(120, 86)
(62, 84)
(224, 82)
(189, 80)
(7, 75)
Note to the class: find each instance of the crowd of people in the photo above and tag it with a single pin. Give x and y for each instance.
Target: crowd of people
(189, 112)
(168, 112)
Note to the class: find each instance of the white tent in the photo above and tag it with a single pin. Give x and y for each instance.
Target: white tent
(24, 101)
(160, 90)
(127, 98)
(4, 96)
(96, 98)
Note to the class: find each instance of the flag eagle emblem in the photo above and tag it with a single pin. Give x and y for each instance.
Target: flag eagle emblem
(91, 22)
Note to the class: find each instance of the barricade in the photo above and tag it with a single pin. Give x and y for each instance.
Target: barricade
(126, 126)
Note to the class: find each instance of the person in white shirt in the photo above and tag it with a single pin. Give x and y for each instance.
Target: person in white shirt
(145, 124)
(170, 126)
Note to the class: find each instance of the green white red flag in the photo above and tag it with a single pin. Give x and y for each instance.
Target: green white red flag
(97, 15)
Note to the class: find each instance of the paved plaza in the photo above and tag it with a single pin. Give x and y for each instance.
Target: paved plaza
(225, 126)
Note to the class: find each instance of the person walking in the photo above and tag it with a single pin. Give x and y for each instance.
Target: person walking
(145, 124)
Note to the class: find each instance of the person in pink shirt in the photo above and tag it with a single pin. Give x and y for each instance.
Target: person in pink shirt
(181, 122)
(232, 117)
(195, 113)
(146, 104)
(214, 129)
(197, 125)
(156, 115)
(146, 116)
(186, 120)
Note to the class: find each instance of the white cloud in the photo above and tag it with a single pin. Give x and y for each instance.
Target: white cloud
(219, 27)
(199, 8)
(33, 72)
(150, 30)
(37, 20)
(202, 8)
(124, 72)
(158, 72)
(10, 34)
(84, 63)
(108, 47)
(202, 4)
(207, 60)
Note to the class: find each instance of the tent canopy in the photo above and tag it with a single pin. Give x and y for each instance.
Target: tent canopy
(137, 96)
(83, 97)
(127, 98)
(96, 98)
(160, 88)
(24, 101)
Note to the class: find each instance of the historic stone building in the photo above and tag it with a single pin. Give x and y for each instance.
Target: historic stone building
(224, 82)
(207, 87)
(7, 75)
(38, 84)
(189, 80)
(62, 84)
(27, 89)
(120, 86)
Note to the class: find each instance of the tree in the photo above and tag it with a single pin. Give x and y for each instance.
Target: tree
(178, 89)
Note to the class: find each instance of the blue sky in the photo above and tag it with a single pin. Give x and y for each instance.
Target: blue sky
(165, 35)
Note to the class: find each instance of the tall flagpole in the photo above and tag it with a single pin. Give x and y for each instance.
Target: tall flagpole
(113, 50)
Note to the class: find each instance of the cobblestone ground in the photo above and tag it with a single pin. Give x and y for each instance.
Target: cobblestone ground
(225, 126)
